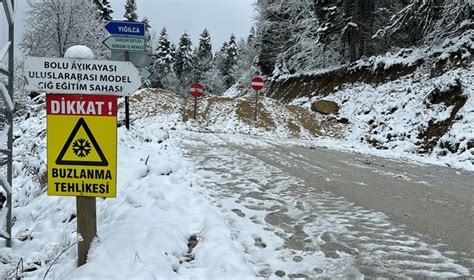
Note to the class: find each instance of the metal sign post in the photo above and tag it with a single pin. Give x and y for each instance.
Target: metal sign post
(195, 107)
(127, 104)
(196, 90)
(256, 106)
(7, 96)
(127, 38)
(257, 85)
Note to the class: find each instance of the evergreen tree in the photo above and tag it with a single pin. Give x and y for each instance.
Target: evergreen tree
(246, 68)
(251, 37)
(427, 21)
(230, 57)
(104, 9)
(130, 11)
(164, 51)
(213, 79)
(273, 32)
(148, 41)
(183, 63)
(163, 66)
(98, 4)
(203, 58)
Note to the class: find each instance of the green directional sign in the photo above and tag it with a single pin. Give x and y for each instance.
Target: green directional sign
(121, 43)
(145, 73)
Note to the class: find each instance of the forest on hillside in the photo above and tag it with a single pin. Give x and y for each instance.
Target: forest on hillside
(288, 37)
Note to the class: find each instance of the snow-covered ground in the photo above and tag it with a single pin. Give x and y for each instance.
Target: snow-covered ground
(392, 116)
(189, 208)
(177, 217)
(400, 118)
(142, 234)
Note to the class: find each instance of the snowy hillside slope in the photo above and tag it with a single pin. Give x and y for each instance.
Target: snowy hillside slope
(236, 116)
(416, 103)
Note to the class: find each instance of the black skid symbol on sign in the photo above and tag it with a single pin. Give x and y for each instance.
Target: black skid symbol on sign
(60, 160)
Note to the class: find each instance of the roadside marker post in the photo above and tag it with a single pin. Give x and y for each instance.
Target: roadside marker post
(196, 90)
(257, 85)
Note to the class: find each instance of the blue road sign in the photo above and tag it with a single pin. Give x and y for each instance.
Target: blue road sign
(127, 28)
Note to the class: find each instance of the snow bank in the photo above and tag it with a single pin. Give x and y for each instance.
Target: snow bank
(144, 233)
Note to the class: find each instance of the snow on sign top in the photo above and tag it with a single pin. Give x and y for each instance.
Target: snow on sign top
(196, 90)
(257, 83)
(79, 76)
(80, 52)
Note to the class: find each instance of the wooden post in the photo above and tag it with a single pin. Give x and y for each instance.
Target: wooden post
(195, 107)
(86, 226)
(127, 108)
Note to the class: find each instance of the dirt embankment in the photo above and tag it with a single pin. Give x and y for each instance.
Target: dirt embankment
(325, 83)
(236, 115)
(421, 80)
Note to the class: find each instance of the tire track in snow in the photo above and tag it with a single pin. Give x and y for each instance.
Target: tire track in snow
(315, 233)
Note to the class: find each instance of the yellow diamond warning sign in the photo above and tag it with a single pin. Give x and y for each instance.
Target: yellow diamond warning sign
(82, 145)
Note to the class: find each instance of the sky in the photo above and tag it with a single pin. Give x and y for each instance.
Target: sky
(220, 17)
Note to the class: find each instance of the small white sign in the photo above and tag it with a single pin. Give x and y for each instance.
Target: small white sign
(79, 76)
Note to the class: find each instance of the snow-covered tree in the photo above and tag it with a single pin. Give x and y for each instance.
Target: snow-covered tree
(230, 56)
(203, 57)
(148, 41)
(104, 9)
(425, 21)
(246, 66)
(183, 63)
(213, 81)
(272, 31)
(456, 18)
(52, 26)
(163, 66)
(130, 11)
(251, 37)
(164, 51)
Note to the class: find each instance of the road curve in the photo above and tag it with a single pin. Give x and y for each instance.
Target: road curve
(436, 201)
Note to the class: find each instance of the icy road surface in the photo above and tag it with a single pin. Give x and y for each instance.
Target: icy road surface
(298, 212)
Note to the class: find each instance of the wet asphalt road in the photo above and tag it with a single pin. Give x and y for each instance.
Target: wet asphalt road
(437, 202)
(375, 217)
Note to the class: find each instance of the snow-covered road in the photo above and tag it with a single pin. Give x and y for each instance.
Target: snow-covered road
(297, 212)
(227, 206)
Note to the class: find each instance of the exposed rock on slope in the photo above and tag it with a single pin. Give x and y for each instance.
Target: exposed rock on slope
(325, 107)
